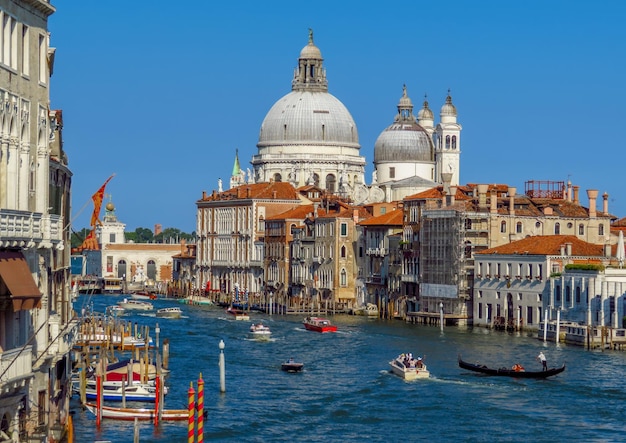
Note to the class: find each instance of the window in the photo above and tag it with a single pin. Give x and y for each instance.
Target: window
(581, 229)
(392, 172)
(343, 252)
(518, 227)
(601, 229)
(577, 294)
(344, 229)
(112, 237)
(454, 142)
(503, 226)
(383, 210)
(24, 53)
(447, 142)
(343, 278)
(278, 178)
(557, 229)
(43, 59)
(330, 183)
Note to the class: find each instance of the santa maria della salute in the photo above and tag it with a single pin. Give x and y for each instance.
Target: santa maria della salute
(308, 137)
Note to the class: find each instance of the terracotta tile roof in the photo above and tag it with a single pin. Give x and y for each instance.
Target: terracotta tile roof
(259, 191)
(462, 193)
(547, 245)
(392, 218)
(299, 212)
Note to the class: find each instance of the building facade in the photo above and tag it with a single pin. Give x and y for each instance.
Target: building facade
(36, 327)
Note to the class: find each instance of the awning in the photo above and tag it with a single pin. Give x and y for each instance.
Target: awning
(16, 275)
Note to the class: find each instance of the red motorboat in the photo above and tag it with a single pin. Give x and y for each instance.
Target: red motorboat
(319, 324)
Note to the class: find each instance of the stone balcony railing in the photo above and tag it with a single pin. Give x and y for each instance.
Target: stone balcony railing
(16, 364)
(26, 229)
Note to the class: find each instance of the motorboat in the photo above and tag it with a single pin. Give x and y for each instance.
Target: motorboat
(515, 371)
(172, 312)
(259, 330)
(136, 305)
(122, 370)
(319, 324)
(138, 413)
(143, 295)
(368, 310)
(115, 311)
(409, 368)
(239, 314)
(292, 366)
(130, 392)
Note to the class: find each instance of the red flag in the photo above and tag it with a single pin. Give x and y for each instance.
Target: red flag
(97, 203)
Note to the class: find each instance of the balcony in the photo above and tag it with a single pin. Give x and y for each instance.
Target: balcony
(16, 365)
(25, 229)
(376, 251)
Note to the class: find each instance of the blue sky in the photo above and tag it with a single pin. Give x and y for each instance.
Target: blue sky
(162, 97)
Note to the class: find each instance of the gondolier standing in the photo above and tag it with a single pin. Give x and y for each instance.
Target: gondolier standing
(542, 359)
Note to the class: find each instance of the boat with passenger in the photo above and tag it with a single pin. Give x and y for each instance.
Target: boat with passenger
(238, 314)
(516, 370)
(409, 368)
(319, 324)
(260, 331)
(136, 305)
(292, 366)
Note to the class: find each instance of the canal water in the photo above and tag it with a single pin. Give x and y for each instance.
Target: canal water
(346, 392)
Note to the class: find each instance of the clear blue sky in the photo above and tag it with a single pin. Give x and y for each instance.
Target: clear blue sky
(162, 96)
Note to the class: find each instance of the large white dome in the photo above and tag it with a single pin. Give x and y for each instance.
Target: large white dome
(311, 118)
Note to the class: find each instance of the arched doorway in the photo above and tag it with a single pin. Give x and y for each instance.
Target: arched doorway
(121, 269)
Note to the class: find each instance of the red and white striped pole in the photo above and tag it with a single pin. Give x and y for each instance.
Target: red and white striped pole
(200, 409)
(157, 397)
(98, 399)
(191, 408)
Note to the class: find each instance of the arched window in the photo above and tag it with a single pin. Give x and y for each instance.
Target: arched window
(121, 269)
(331, 182)
(503, 226)
(454, 142)
(278, 178)
(581, 229)
(577, 294)
(151, 272)
(447, 142)
(557, 229)
(343, 278)
(343, 251)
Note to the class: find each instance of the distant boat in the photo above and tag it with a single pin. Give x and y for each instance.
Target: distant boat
(143, 295)
(173, 312)
(89, 284)
(368, 310)
(112, 285)
(319, 324)
(409, 368)
(292, 366)
(238, 314)
(259, 330)
(136, 305)
(517, 371)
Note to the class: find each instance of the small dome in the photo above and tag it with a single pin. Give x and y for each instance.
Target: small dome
(404, 142)
(448, 108)
(310, 51)
(425, 113)
(110, 206)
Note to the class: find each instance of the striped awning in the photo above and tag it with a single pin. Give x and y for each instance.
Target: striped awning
(16, 275)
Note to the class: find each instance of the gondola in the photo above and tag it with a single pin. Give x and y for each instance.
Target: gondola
(506, 372)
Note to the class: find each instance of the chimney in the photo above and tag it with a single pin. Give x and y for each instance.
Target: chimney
(444, 197)
(593, 195)
(512, 192)
(157, 229)
(494, 201)
(355, 215)
(576, 200)
(274, 195)
(568, 249)
(607, 250)
(482, 196)
(452, 195)
(315, 207)
(605, 203)
(562, 250)
(446, 178)
(204, 194)
(569, 191)
(248, 192)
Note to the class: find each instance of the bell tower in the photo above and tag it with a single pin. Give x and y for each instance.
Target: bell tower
(448, 143)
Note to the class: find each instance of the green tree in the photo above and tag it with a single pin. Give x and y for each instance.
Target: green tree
(77, 238)
(141, 235)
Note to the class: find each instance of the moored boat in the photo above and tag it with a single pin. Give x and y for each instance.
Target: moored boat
(172, 312)
(368, 310)
(143, 295)
(239, 314)
(515, 371)
(319, 324)
(132, 392)
(409, 368)
(292, 366)
(138, 413)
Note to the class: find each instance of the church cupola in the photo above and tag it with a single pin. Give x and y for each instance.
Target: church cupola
(448, 111)
(310, 74)
(425, 117)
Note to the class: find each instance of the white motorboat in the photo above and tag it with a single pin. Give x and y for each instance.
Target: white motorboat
(239, 314)
(136, 305)
(173, 312)
(259, 330)
(409, 368)
(368, 310)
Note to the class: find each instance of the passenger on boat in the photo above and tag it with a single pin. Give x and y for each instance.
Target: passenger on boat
(517, 367)
(420, 363)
